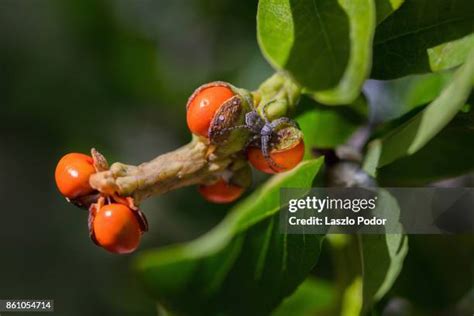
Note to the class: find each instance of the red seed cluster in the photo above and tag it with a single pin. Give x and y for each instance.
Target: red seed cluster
(201, 109)
(221, 192)
(116, 226)
(72, 175)
(203, 105)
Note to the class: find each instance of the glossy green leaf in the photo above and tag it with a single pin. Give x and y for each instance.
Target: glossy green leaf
(385, 8)
(362, 26)
(409, 137)
(367, 266)
(309, 39)
(324, 45)
(328, 127)
(352, 298)
(372, 157)
(430, 163)
(423, 36)
(312, 297)
(391, 99)
(451, 54)
(437, 273)
(382, 255)
(245, 266)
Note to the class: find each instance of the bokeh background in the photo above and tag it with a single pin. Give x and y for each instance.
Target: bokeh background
(114, 75)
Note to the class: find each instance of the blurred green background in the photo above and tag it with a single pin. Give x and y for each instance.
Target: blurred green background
(114, 75)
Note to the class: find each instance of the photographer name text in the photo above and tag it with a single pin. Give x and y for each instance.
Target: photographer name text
(320, 205)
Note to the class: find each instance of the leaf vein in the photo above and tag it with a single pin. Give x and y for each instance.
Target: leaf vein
(264, 252)
(419, 30)
(324, 32)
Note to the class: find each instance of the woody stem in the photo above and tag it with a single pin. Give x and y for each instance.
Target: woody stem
(188, 165)
(197, 162)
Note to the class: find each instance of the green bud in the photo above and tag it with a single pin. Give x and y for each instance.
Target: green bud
(282, 92)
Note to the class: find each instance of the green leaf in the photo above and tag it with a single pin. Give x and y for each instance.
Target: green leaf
(312, 297)
(352, 298)
(372, 157)
(328, 127)
(309, 39)
(382, 256)
(409, 137)
(386, 8)
(437, 272)
(451, 54)
(391, 99)
(324, 45)
(383, 261)
(362, 26)
(430, 163)
(244, 266)
(368, 265)
(423, 36)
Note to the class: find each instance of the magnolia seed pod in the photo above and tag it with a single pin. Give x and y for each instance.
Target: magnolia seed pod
(203, 104)
(285, 151)
(214, 111)
(225, 130)
(100, 162)
(286, 138)
(228, 185)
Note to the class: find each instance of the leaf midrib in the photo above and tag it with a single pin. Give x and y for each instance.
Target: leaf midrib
(324, 31)
(420, 30)
(225, 230)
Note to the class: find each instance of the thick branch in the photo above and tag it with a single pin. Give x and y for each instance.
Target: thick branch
(198, 162)
(191, 164)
